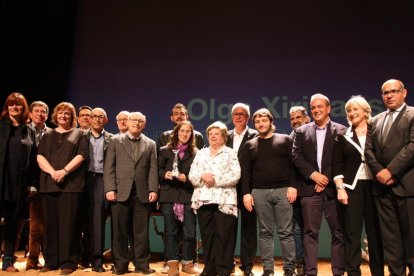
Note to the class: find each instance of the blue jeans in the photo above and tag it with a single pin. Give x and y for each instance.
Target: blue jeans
(172, 227)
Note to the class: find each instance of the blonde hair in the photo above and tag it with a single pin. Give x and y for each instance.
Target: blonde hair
(222, 127)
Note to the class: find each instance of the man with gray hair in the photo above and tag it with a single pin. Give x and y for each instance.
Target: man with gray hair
(39, 112)
(131, 183)
(298, 117)
(236, 138)
(94, 205)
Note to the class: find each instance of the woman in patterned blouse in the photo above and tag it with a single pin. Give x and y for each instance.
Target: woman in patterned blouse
(214, 174)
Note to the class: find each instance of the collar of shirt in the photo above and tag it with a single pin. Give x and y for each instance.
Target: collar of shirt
(396, 111)
(322, 128)
(99, 136)
(132, 138)
(238, 138)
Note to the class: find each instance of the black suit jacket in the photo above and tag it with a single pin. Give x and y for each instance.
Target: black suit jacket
(304, 154)
(250, 134)
(347, 158)
(396, 153)
(174, 191)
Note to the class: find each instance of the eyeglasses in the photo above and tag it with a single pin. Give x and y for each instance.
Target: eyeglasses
(84, 115)
(239, 114)
(137, 121)
(392, 92)
(122, 120)
(98, 117)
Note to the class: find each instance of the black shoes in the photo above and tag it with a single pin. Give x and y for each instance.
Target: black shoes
(268, 273)
(289, 272)
(144, 270)
(248, 272)
(98, 268)
(119, 271)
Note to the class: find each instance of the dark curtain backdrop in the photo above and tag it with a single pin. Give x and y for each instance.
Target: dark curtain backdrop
(147, 55)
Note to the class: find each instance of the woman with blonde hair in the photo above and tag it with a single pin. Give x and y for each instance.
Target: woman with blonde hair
(214, 174)
(353, 180)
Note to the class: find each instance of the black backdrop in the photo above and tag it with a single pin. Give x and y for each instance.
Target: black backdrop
(147, 55)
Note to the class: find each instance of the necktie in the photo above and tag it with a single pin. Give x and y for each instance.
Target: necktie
(388, 125)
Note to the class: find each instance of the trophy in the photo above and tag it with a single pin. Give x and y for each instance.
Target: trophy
(175, 171)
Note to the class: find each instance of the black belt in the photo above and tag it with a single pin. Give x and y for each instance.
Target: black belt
(94, 174)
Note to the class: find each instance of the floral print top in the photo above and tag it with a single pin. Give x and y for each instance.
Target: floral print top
(226, 169)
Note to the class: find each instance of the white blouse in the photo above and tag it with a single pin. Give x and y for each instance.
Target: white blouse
(226, 170)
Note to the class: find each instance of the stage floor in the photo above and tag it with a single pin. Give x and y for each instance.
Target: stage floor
(324, 267)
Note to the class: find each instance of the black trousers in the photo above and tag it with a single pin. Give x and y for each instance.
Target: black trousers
(61, 244)
(248, 237)
(124, 215)
(217, 234)
(359, 211)
(94, 215)
(397, 230)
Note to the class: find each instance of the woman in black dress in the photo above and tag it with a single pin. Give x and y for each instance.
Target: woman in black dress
(60, 156)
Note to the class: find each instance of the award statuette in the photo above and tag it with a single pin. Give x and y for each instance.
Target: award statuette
(175, 171)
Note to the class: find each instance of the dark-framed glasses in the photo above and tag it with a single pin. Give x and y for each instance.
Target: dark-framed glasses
(98, 117)
(391, 92)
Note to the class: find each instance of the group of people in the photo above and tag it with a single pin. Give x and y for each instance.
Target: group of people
(357, 176)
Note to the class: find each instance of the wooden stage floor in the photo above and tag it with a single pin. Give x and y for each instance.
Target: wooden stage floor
(324, 267)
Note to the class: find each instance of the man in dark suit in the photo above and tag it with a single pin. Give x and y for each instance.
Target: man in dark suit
(95, 213)
(313, 150)
(389, 153)
(131, 183)
(236, 138)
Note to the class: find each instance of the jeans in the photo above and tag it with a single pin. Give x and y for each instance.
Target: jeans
(272, 210)
(172, 232)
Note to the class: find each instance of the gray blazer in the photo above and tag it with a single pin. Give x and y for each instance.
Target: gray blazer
(396, 153)
(121, 170)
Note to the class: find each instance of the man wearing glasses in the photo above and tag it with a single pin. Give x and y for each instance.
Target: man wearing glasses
(389, 153)
(84, 117)
(131, 184)
(122, 121)
(236, 138)
(95, 211)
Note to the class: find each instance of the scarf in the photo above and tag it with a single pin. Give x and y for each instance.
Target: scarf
(181, 149)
